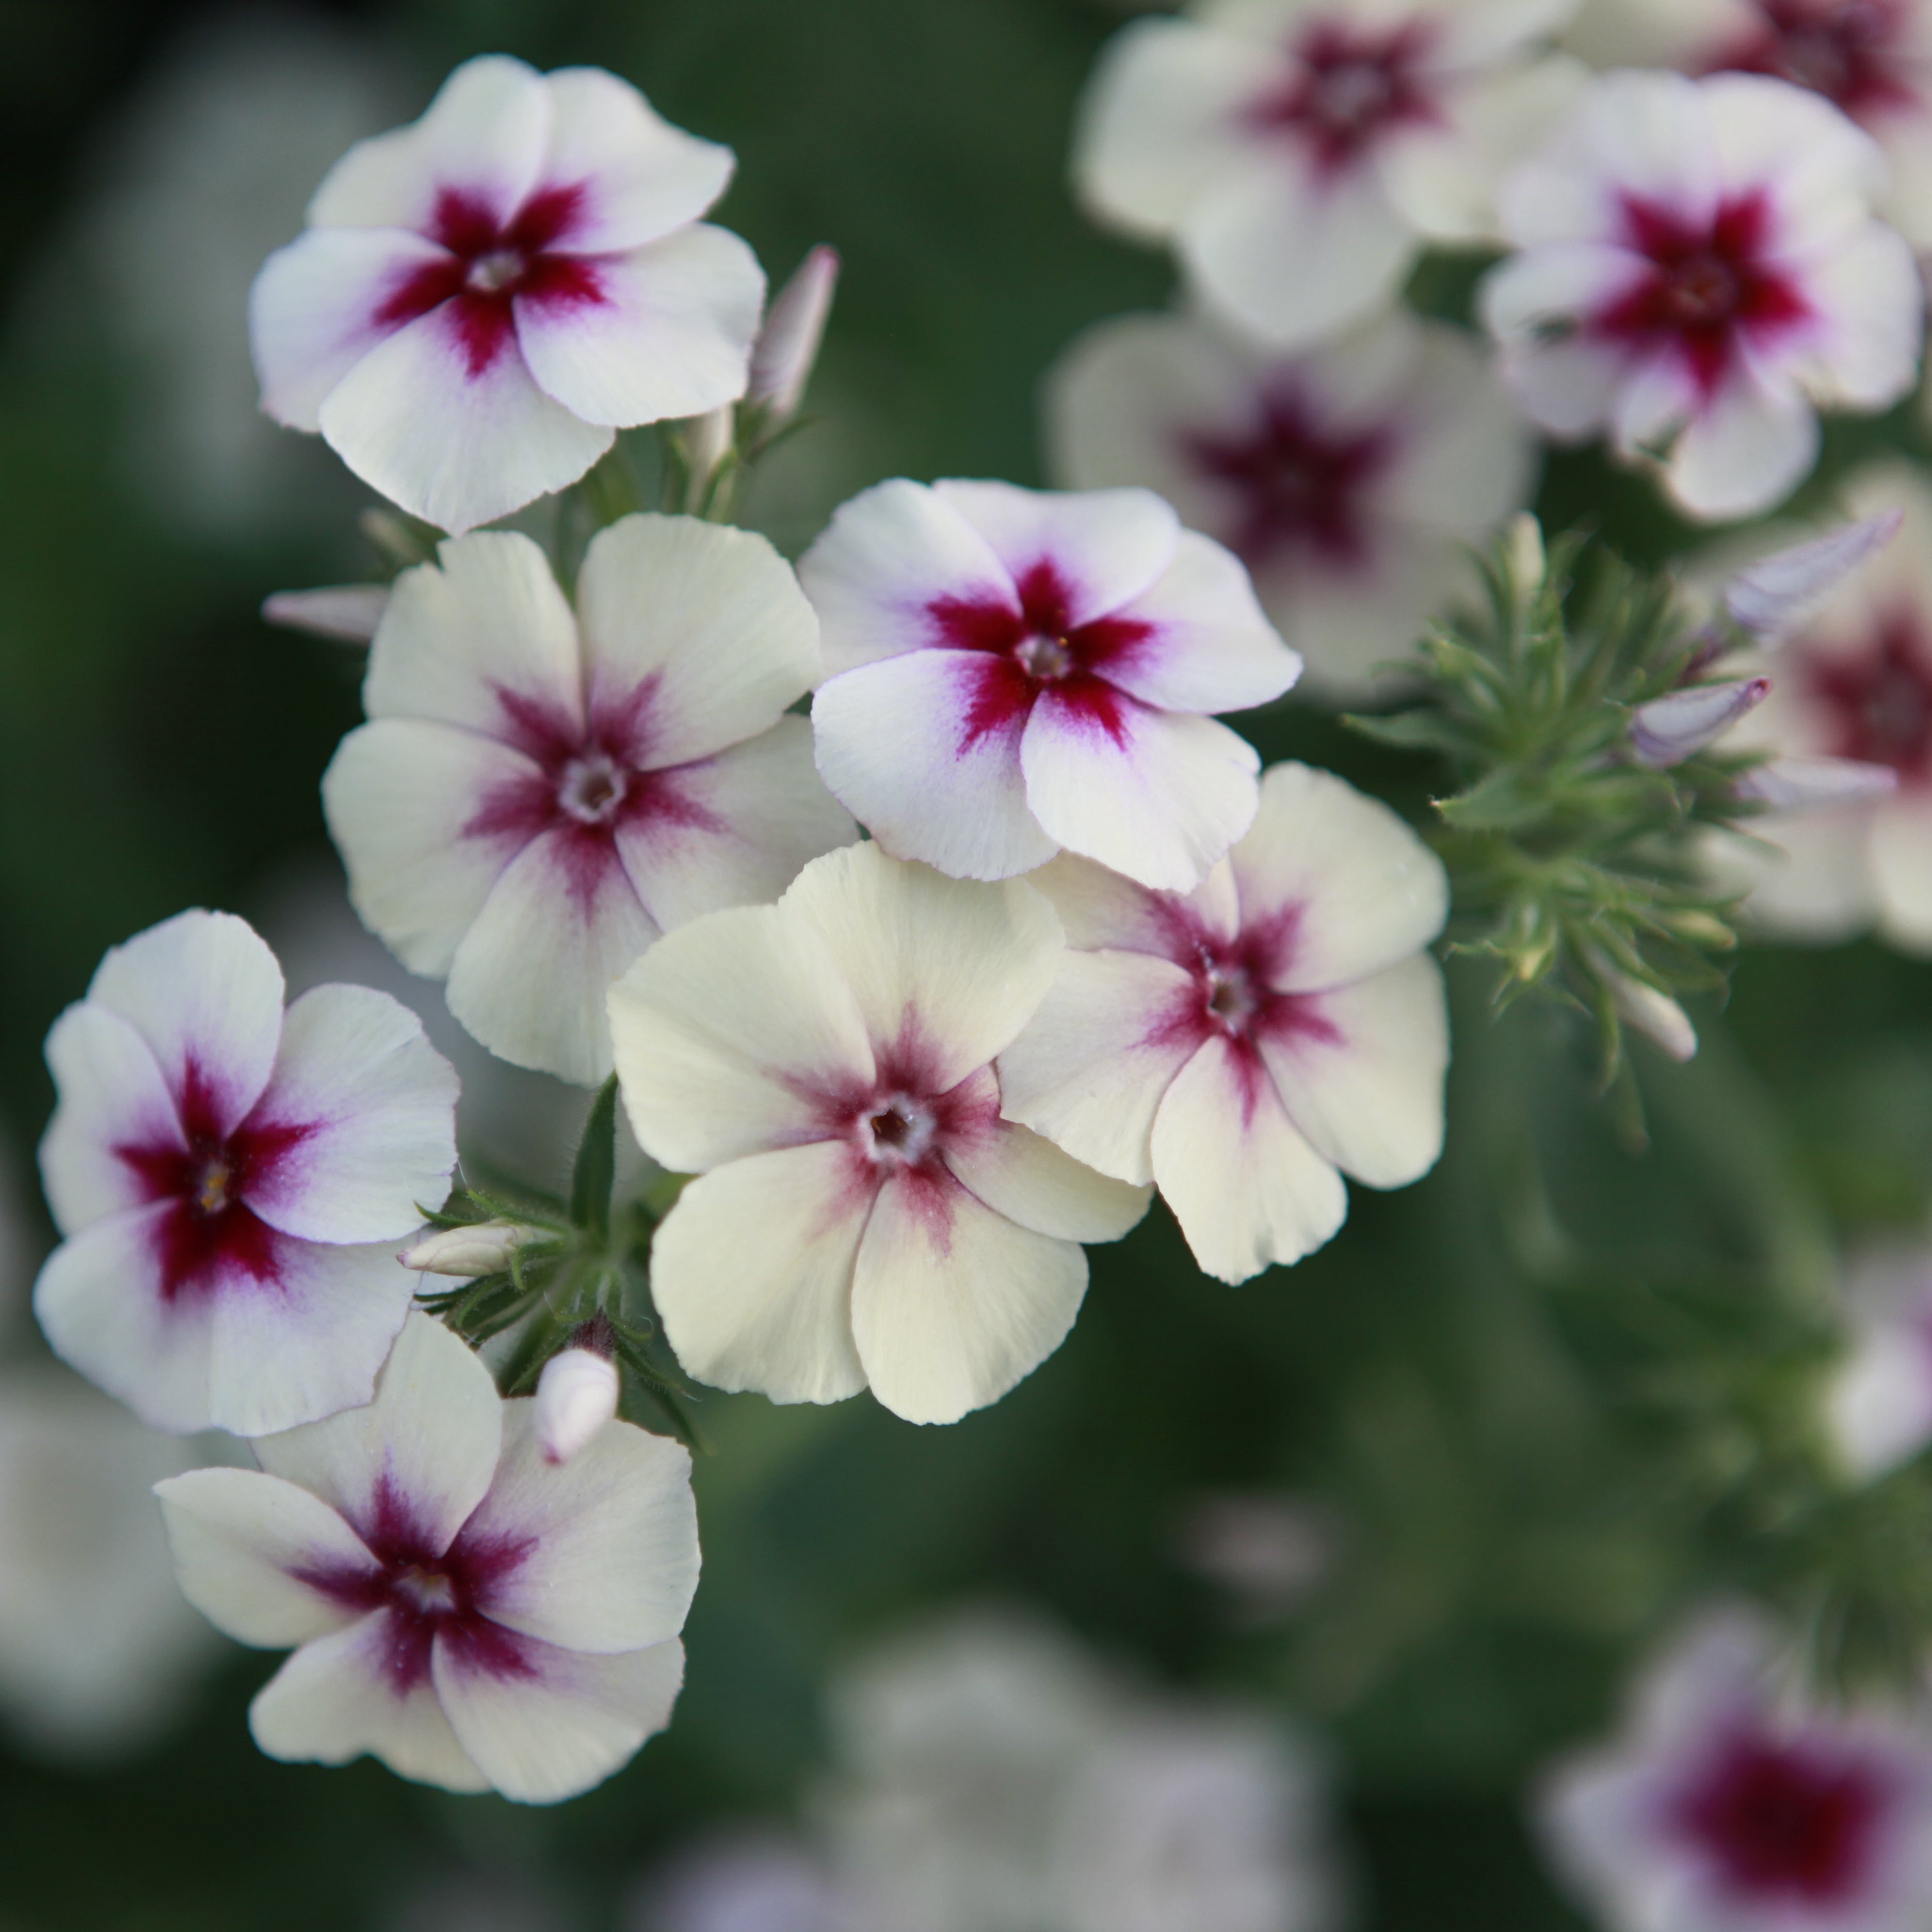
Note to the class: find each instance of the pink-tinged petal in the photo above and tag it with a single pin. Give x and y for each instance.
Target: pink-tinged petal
(559, 1722)
(336, 1698)
(1103, 912)
(483, 136)
(1211, 648)
(444, 418)
(610, 1538)
(1248, 1190)
(640, 177)
(751, 1273)
(924, 750)
(1107, 547)
(947, 972)
(730, 1032)
(204, 992)
(663, 331)
(404, 802)
(243, 1542)
(1031, 1182)
(1825, 169)
(952, 1303)
(749, 819)
(345, 613)
(415, 1461)
(1360, 1070)
(531, 975)
(1360, 890)
(1090, 1071)
(1566, 387)
(1744, 453)
(374, 1105)
(317, 308)
(112, 1095)
(1872, 299)
(711, 620)
(887, 558)
(1156, 796)
(1554, 284)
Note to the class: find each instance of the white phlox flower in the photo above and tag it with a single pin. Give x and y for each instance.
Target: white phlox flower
(744, 1881)
(472, 1614)
(483, 298)
(1730, 1804)
(1012, 671)
(1878, 1403)
(1350, 479)
(863, 1214)
(1698, 272)
(1871, 58)
(1245, 1045)
(233, 1180)
(1300, 153)
(540, 793)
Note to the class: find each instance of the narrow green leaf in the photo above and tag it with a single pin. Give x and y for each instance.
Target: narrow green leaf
(596, 1170)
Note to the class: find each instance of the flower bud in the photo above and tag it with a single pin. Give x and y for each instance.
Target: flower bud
(708, 440)
(576, 1394)
(1527, 561)
(1815, 785)
(348, 612)
(483, 1247)
(1654, 1014)
(1667, 731)
(787, 344)
(1775, 596)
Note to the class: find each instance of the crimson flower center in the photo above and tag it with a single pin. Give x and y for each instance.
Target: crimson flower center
(591, 787)
(1232, 997)
(1878, 701)
(900, 1130)
(1702, 291)
(500, 269)
(1049, 659)
(426, 1590)
(1349, 88)
(1848, 50)
(210, 1196)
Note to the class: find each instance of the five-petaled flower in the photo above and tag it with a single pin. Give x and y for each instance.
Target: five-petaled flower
(1239, 1045)
(1700, 272)
(1349, 479)
(1301, 155)
(863, 1214)
(472, 1613)
(233, 1181)
(538, 795)
(1014, 671)
(1733, 1804)
(483, 298)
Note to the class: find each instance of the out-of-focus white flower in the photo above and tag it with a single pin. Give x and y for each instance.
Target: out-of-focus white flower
(233, 1180)
(1698, 273)
(1244, 1045)
(787, 349)
(98, 1651)
(1669, 729)
(748, 1881)
(1350, 479)
(1299, 155)
(1878, 1404)
(577, 1395)
(1728, 1803)
(863, 1214)
(1013, 671)
(464, 1609)
(480, 1248)
(483, 298)
(349, 613)
(539, 793)
(1266, 1552)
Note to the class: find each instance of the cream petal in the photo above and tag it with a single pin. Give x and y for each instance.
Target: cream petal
(111, 1094)
(1029, 1180)
(1744, 453)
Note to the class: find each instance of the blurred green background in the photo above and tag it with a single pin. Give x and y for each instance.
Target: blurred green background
(1457, 1380)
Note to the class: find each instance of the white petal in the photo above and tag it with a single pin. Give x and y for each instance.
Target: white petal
(205, 992)
(378, 1103)
(403, 800)
(241, 1542)
(1160, 802)
(669, 333)
(886, 556)
(1555, 282)
(1466, 459)
(569, 1725)
(1568, 387)
(421, 1454)
(1248, 1191)
(1822, 170)
(728, 1032)
(712, 618)
(484, 623)
(642, 176)
(1091, 1068)
(1874, 297)
(455, 448)
(1360, 1071)
(347, 614)
(531, 976)
(1901, 869)
(1745, 453)
(111, 1094)
(953, 1303)
(1032, 1183)
(1107, 546)
(955, 969)
(335, 1699)
(1364, 890)
(924, 750)
(613, 1563)
(1809, 878)
(751, 1272)
(1102, 910)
